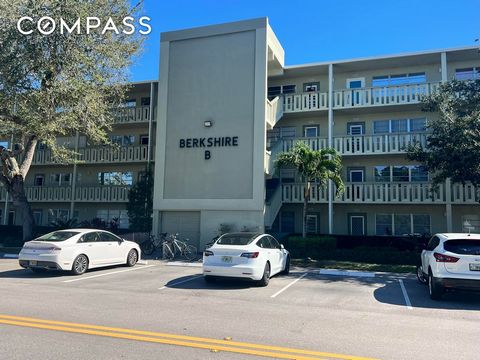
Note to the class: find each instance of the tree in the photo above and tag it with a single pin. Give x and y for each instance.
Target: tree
(140, 204)
(314, 166)
(453, 144)
(60, 84)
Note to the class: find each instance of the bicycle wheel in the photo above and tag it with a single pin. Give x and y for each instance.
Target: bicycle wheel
(168, 251)
(148, 247)
(190, 252)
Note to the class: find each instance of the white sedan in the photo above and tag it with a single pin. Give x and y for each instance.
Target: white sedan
(77, 250)
(245, 255)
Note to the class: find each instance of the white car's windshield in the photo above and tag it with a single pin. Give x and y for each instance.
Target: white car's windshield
(57, 236)
(237, 239)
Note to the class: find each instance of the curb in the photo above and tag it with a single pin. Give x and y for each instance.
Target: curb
(352, 273)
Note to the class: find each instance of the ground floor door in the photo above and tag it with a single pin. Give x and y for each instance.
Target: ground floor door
(357, 225)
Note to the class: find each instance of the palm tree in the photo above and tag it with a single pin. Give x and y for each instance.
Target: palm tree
(314, 166)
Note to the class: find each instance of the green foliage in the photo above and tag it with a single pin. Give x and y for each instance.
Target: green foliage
(140, 204)
(453, 148)
(59, 84)
(64, 223)
(314, 165)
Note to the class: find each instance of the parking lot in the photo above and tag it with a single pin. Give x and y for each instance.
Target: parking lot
(386, 316)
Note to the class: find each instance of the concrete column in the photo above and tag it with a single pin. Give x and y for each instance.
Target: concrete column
(330, 144)
(156, 222)
(73, 186)
(448, 183)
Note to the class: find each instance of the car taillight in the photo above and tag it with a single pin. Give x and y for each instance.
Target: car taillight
(445, 258)
(208, 253)
(250, 255)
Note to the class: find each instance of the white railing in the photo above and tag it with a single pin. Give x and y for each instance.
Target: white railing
(100, 154)
(353, 98)
(272, 207)
(465, 194)
(274, 111)
(132, 114)
(268, 163)
(369, 193)
(377, 96)
(308, 101)
(361, 144)
(82, 193)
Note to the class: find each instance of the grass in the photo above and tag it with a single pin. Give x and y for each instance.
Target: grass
(350, 265)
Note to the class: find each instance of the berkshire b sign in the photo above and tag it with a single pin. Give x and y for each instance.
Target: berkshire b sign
(210, 142)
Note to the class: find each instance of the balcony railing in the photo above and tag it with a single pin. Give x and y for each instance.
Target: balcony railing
(393, 143)
(356, 98)
(373, 193)
(82, 193)
(132, 114)
(100, 155)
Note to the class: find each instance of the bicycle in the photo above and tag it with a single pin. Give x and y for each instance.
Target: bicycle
(153, 243)
(172, 247)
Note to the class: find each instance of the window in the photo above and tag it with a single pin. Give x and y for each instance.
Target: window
(402, 224)
(355, 175)
(115, 178)
(123, 140)
(289, 89)
(143, 139)
(310, 131)
(11, 217)
(382, 173)
(4, 144)
(311, 86)
(37, 216)
(472, 73)
(129, 103)
(39, 180)
(237, 239)
(471, 223)
(119, 217)
(356, 83)
(274, 242)
(463, 246)
(285, 132)
(274, 91)
(355, 129)
(57, 236)
(264, 243)
(90, 237)
(401, 173)
(58, 214)
(106, 237)
(145, 101)
(399, 126)
(60, 179)
(400, 79)
(383, 224)
(312, 224)
(433, 243)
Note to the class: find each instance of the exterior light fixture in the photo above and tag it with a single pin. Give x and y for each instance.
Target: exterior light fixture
(208, 123)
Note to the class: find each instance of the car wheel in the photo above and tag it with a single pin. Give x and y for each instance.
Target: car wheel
(132, 258)
(209, 278)
(38, 270)
(80, 265)
(286, 271)
(420, 275)
(266, 276)
(434, 290)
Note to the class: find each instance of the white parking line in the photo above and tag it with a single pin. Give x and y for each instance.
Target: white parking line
(287, 286)
(106, 274)
(405, 295)
(180, 282)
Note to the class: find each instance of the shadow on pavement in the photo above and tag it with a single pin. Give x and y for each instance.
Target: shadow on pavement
(21, 273)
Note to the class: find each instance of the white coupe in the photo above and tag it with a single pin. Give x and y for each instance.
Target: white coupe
(77, 250)
(245, 255)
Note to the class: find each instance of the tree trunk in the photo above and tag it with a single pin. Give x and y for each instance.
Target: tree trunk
(17, 192)
(306, 197)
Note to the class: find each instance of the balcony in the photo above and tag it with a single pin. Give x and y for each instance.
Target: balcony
(385, 193)
(358, 98)
(100, 155)
(136, 114)
(392, 143)
(82, 194)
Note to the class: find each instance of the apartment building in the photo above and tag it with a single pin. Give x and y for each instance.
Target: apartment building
(226, 104)
(98, 186)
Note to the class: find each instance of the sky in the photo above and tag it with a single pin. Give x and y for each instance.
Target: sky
(320, 30)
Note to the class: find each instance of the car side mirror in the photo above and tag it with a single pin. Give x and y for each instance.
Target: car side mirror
(282, 247)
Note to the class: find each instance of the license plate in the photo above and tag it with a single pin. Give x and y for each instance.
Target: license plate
(33, 262)
(474, 267)
(227, 259)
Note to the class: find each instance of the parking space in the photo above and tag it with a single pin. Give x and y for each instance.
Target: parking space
(302, 287)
